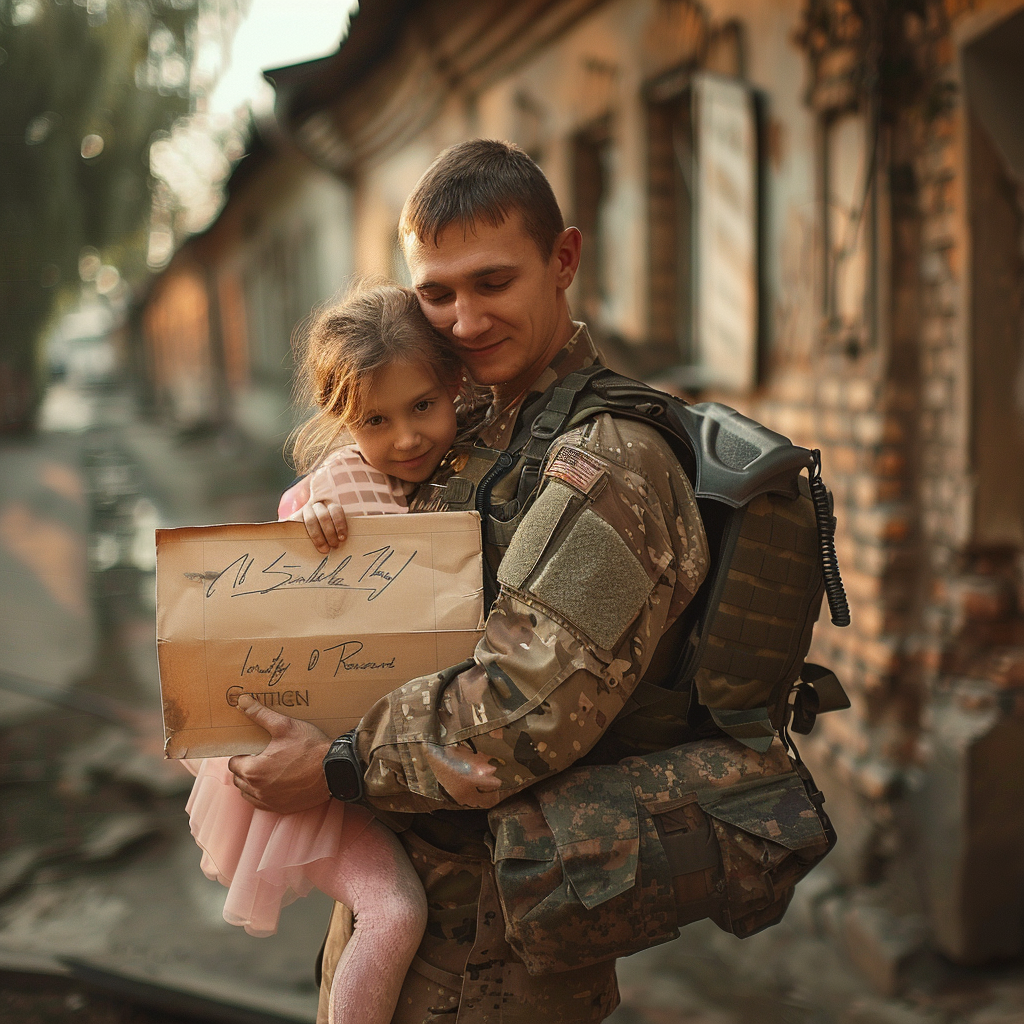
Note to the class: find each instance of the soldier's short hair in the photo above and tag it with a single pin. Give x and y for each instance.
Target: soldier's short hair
(483, 180)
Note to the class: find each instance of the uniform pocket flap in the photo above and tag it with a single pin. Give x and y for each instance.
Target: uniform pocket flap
(775, 808)
(596, 830)
(520, 831)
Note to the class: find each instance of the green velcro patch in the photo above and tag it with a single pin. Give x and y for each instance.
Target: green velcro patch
(530, 540)
(594, 581)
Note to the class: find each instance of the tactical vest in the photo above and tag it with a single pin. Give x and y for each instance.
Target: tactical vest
(737, 656)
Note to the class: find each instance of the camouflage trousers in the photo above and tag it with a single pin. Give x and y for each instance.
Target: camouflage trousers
(465, 972)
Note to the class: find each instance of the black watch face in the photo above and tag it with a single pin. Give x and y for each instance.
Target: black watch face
(342, 778)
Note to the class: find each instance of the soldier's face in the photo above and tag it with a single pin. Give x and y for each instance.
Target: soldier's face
(491, 292)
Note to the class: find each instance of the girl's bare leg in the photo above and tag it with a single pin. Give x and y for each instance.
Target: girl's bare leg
(374, 877)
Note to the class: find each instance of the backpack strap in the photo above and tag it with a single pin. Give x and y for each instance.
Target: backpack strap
(541, 423)
(550, 424)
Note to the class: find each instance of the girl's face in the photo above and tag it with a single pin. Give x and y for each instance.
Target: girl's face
(406, 423)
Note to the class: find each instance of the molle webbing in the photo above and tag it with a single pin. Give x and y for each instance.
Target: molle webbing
(759, 620)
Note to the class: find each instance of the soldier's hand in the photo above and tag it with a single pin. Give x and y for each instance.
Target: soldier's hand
(325, 523)
(288, 775)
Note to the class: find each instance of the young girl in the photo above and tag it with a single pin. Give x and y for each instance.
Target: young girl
(376, 370)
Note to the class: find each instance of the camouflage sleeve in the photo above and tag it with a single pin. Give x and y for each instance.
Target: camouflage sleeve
(605, 560)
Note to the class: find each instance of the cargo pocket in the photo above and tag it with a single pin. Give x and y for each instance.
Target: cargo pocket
(575, 857)
(775, 808)
(526, 864)
(594, 824)
(770, 836)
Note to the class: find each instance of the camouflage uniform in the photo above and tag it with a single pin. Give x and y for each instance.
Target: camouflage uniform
(592, 576)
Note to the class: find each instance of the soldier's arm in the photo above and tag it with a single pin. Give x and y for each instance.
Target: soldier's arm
(603, 563)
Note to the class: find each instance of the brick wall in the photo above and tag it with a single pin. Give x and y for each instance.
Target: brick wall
(925, 774)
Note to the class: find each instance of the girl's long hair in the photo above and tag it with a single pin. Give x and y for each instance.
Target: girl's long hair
(342, 347)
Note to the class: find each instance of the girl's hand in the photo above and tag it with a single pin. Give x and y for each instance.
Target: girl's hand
(325, 523)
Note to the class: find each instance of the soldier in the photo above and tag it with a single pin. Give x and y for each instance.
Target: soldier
(593, 574)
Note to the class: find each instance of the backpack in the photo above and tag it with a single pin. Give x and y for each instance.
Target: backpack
(721, 818)
(770, 534)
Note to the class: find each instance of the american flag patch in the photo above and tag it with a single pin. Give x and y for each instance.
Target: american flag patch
(577, 468)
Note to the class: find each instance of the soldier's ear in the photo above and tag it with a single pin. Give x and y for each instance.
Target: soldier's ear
(565, 256)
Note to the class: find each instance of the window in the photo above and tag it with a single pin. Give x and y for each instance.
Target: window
(591, 156)
(705, 224)
(848, 229)
(726, 279)
(670, 171)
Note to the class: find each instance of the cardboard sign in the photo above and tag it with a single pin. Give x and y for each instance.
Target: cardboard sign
(257, 609)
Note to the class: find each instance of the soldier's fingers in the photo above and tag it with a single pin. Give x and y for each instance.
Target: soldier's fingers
(276, 724)
(314, 529)
(249, 794)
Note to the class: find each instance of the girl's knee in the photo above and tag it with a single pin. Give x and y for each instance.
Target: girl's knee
(399, 911)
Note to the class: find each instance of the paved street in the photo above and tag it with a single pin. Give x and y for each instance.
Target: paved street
(98, 871)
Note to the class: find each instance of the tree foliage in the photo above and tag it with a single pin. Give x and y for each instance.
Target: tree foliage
(79, 104)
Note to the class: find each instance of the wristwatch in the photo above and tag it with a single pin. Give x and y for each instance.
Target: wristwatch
(342, 769)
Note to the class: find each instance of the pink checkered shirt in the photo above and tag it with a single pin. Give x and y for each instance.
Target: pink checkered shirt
(345, 478)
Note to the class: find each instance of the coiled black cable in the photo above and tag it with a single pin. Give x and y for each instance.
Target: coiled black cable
(838, 605)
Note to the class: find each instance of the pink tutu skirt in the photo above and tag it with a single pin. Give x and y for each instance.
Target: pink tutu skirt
(261, 856)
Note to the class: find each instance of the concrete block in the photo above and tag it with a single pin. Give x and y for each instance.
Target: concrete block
(861, 395)
(982, 598)
(939, 230)
(936, 331)
(882, 945)
(890, 463)
(969, 826)
(830, 391)
(869, 428)
(938, 392)
(809, 898)
(835, 426)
